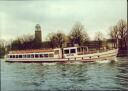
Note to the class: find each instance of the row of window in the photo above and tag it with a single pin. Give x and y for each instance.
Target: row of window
(67, 51)
(32, 56)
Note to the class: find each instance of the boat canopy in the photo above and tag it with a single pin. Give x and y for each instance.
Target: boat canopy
(30, 51)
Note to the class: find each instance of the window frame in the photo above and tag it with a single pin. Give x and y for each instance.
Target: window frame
(66, 52)
(50, 55)
(17, 56)
(37, 56)
(45, 55)
(24, 56)
(73, 51)
(28, 56)
(32, 55)
(20, 56)
(56, 52)
(41, 55)
(10, 56)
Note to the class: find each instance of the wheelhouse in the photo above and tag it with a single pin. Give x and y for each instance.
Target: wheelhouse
(74, 51)
(70, 51)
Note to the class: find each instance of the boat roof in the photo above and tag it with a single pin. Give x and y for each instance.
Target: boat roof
(75, 47)
(70, 47)
(30, 51)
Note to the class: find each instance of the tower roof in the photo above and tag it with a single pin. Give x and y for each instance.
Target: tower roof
(37, 27)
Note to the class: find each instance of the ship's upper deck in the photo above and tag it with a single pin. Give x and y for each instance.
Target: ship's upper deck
(31, 51)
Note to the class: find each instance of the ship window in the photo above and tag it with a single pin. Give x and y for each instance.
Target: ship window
(41, 55)
(36, 55)
(20, 56)
(13, 56)
(32, 55)
(28, 56)
(73, 51)
(78, 49)
(82, 49)
(45, 55)
(16, 56)
(66, 51)
(56, 51)
(10, 56)
(51, 55)
(24, 56)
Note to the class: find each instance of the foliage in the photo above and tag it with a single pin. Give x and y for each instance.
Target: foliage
(57, 39)
(99, 36)
(100, 39)
(120, 32)
(24, 42)
(2, 48)
(78, 35)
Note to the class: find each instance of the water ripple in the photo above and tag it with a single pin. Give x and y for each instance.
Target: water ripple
(88, 76)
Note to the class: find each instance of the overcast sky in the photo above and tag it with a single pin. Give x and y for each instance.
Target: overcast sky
(20, 17)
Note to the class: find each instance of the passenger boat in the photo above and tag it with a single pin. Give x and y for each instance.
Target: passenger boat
(63, 55)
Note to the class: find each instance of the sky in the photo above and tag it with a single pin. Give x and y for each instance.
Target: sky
(18, 18)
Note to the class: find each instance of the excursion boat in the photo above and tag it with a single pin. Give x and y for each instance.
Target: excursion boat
(68, 54)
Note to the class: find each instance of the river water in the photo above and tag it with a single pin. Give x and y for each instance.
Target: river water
(87, 76)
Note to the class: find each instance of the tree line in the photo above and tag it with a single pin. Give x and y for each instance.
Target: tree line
(2, 48)
(119, 34)
(78, 35)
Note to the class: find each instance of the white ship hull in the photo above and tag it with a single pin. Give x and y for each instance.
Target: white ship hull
(107, 55)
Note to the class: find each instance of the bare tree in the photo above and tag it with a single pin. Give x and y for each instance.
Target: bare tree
(23, 42)
(114, 32)
(119, 33)
(78, 35)
(2, 48)
(114, 35)
(122, 25)
(99, 36)
(57, 39)
(122, 30)
(52, 39)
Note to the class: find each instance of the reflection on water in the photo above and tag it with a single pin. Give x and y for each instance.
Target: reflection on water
(87, 76)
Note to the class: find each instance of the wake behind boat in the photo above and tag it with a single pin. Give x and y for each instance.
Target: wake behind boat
(65, 55)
